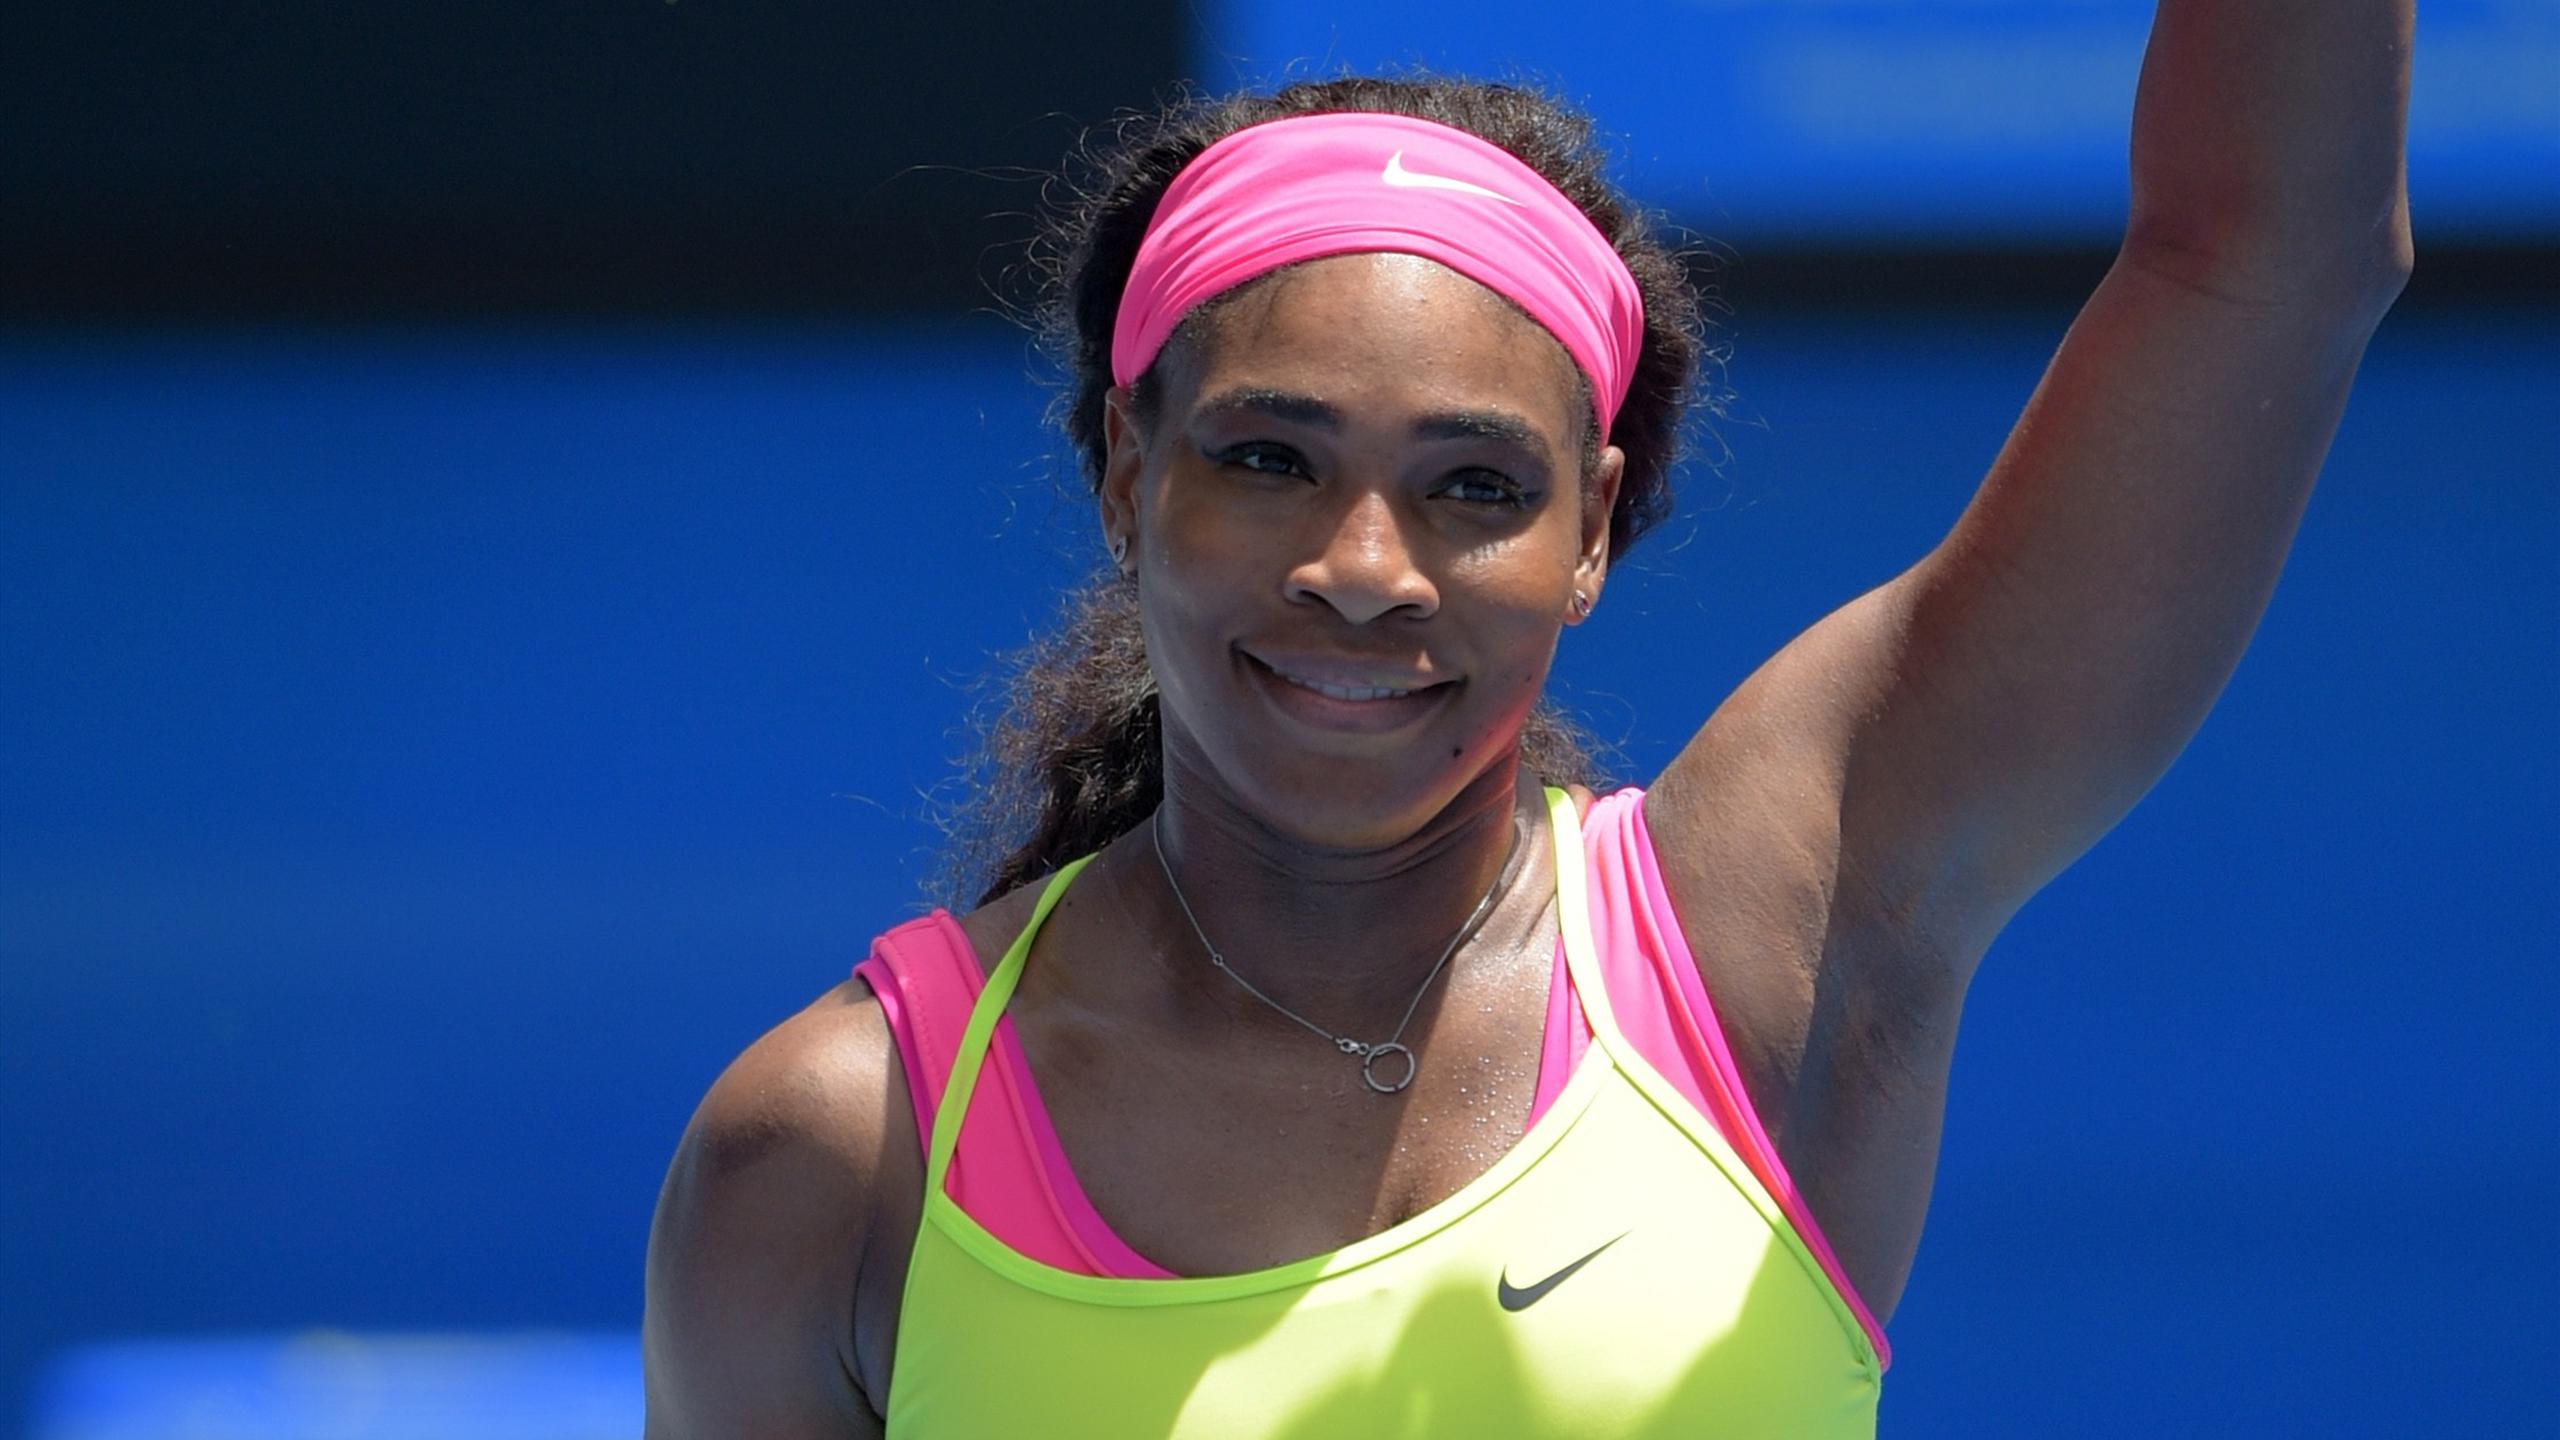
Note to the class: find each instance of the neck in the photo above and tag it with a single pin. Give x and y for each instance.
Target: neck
(1343, 934)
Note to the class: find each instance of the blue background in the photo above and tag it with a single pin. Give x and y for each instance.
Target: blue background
(432, 755)
(430, 751)
(1925, 122)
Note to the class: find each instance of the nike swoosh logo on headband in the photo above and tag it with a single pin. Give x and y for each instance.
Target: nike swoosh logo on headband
(1396, 174)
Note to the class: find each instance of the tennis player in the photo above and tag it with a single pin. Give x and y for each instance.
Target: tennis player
(1323, 1057)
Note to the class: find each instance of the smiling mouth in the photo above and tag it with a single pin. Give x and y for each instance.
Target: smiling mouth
(1346, 692)
(1339, 690)
(1349, 709)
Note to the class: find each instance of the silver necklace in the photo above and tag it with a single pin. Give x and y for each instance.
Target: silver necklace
(1369, 1055)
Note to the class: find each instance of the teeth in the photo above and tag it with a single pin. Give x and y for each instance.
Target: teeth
(1342, 692)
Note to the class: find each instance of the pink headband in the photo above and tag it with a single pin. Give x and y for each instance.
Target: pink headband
(1343, 182)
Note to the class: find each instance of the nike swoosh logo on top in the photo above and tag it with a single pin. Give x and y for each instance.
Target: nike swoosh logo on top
(1514, 1298)
(1396, 174)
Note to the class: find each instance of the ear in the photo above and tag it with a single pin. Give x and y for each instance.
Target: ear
(1599, 502)
(1124, 458)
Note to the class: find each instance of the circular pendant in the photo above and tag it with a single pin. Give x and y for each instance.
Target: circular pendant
(1369, 1072)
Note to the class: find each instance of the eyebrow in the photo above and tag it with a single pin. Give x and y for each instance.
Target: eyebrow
(1497, 425)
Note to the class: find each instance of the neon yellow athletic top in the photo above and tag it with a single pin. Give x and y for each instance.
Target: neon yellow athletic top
(1620, 1272)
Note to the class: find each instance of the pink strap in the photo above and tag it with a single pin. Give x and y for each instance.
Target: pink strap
(1661, 1003)
(1009, 1172)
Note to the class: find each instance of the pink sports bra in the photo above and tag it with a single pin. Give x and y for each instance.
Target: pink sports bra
(1010, 1174)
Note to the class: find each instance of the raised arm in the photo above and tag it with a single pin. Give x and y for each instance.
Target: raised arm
(1950, 741)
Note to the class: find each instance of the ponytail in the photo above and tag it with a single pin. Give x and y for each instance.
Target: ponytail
(1074, 760)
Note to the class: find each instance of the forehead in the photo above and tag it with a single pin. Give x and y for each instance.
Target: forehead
(1380, 335)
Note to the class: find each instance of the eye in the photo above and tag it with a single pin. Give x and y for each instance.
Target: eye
(1489, 487)
(1262, 458)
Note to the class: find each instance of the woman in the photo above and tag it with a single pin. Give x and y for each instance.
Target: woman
(1404, 1092)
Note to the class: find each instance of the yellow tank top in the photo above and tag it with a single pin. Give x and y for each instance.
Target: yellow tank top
(1619, 1273)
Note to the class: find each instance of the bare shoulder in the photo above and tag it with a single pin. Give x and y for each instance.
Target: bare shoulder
(993, 926)
(1834, 980)
(770, 1211)
(1762, 822)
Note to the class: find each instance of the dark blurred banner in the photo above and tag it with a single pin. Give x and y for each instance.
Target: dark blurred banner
(165, 160)
(159, 157)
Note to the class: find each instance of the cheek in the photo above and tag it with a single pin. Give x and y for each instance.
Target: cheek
(1517, 589)
(1196, 583)
(1205, 535)
(1193, 590)
(1511, 622)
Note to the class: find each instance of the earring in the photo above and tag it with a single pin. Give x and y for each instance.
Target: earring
(1581, 605)
(1119, 549)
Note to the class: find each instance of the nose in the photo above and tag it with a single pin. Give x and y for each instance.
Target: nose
(1362, 566)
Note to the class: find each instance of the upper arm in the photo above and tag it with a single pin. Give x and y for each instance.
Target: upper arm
(759, 1238)
(1964, 731)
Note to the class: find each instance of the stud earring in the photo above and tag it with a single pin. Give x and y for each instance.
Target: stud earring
(1581, 605)
(1119, 549)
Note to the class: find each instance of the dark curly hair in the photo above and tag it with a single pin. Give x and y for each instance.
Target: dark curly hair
(1073, 758)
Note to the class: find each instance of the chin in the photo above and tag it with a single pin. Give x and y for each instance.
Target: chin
(1331, 780)
(1369, 803)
